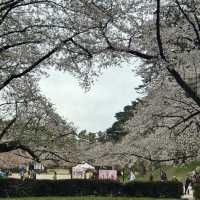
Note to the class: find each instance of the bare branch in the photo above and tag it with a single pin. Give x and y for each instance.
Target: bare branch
(184, 85)
(14, 145)
(82, 47)
(185, 119)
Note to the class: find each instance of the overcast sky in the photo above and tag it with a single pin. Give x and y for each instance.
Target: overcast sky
(95, 109)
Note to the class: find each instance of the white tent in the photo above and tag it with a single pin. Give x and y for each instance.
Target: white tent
(79, 170)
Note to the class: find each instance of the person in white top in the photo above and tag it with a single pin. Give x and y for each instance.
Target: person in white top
(132, 176)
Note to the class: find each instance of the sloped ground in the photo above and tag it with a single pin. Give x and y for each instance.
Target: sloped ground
(180, 171)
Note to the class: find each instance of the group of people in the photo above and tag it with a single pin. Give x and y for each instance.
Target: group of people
(191, 179)
(27, 172)
(163, 176)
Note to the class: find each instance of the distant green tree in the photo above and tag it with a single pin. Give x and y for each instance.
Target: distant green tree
(82, 135)
(91, 137)
(87, 136)
(116, 132)
(101, 136)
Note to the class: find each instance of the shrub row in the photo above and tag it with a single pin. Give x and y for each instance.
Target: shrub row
(17, 188)
(170, 189)
(196, 189)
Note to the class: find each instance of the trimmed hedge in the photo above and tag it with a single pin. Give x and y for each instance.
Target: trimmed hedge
(169, 189)
(196, 189)
(75, 187)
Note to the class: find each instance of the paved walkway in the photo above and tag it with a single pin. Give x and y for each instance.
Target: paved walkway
(188, 196)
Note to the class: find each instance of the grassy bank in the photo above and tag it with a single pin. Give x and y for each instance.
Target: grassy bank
(180, 171)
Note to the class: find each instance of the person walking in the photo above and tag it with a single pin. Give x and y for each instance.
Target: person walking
(132, 176)
(55, 176)
(188, 183)
(21, 172)
(31, 168)
(151, 177)
(163, 176)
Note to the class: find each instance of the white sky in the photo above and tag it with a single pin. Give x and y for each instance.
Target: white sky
(95, 109)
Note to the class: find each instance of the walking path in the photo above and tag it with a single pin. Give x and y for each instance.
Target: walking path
(188, 196)
(44, 176)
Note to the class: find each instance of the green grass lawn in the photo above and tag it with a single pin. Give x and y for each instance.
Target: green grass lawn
(83, 198)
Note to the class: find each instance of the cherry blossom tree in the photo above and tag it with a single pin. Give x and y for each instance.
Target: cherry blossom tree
(84, 37)
(164, 127)
(30, 123)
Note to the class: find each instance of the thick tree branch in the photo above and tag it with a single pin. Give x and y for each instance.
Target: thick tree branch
(125, 50)
(184, 85)
(14, 145)
(185, 119)
(158, 34)
(40, 60)
(5, 130)
(34, 65)
(82, 47)
(185, 128)
(136, 53)
(6, 2)
(132, 52)
(9, 7)
(54, 154)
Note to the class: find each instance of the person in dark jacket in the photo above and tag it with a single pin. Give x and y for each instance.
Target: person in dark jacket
(151, 177)
(163, 176)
